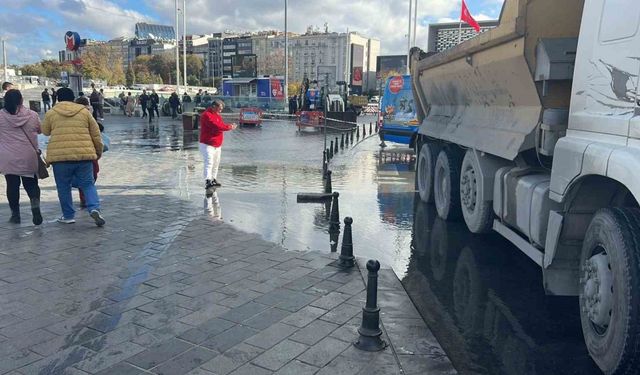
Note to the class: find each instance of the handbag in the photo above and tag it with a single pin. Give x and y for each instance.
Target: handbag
(43, 172)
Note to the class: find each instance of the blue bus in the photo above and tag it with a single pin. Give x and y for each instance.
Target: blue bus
(398, 119)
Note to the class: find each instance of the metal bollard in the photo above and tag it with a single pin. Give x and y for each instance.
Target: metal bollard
(327, 182)
(324, 164)
(342, 141)
(331, 151)
(371, 128)
(352, 135)
(369, 330)
(346, 251)
(364, 130)
(336, 149)
(334, 222)
(358, 132)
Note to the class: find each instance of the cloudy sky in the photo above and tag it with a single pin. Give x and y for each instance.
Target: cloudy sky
(34, 29)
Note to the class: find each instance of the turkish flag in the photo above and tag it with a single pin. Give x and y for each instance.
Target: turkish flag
(468, 18)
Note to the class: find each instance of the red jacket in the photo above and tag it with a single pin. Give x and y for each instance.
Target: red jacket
(212, 128)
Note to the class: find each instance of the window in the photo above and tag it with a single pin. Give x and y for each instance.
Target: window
(620, 20)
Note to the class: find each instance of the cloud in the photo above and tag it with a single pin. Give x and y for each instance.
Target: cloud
(41, 24)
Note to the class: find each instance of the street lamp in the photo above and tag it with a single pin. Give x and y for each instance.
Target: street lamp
(177, 53)
(286, 57)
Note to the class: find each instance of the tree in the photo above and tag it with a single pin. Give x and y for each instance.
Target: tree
(131, 76)
(103, 62)
(193, 81)
(294, 88)
(33, 70)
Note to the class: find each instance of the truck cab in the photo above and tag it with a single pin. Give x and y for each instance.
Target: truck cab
(531, 130)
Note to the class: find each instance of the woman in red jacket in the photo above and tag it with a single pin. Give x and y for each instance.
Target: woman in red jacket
(212, 129)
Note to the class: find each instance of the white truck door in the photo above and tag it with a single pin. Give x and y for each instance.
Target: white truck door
(606, 79)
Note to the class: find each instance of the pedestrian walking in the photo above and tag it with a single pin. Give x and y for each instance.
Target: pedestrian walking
(6, 86)
(94, 99)
(54, 96)
(74, 143)
(96, 166)
(174, 103)
(101, 105)
(19, 128)
(155, 102)
(46, 100)
(130, 104)
(212, 129)
(144, 101)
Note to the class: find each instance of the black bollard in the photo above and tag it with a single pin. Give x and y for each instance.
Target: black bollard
(334, 222)
(352, 135)
(324, 164)
(357, 132)
(342, 141)
(346, 251)
(331, 150)
(369, 330)
(336, 149)
(371, 128)
(364, 130)
(327, 183)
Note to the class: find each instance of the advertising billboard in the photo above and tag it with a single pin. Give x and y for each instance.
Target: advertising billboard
(277, 88)
(398, 107)
(244, 66)
(393, 64)
(357, 63)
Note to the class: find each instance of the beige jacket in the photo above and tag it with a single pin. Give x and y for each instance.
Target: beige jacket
(75, 135)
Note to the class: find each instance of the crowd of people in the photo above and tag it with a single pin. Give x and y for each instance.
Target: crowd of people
(74, 148)
(76, 143)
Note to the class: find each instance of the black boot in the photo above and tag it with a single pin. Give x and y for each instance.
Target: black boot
(35, 211)
(15, 217)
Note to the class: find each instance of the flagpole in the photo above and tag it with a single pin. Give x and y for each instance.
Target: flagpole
(409, 35)
(460, 24)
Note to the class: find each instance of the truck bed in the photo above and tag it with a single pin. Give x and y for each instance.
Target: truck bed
(482, 93)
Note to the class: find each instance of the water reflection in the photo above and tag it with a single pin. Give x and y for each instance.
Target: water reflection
(485, 303)
(212, 205)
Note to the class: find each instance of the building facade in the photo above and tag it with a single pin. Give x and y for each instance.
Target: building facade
(443, 36)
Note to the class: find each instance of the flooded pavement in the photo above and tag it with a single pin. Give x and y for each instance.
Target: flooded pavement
(482, 299)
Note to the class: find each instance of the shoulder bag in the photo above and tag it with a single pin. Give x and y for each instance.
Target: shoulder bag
(43, 172)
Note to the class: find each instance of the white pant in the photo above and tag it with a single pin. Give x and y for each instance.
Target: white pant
(211, 157)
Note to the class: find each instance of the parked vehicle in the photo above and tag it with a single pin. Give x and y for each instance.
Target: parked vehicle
(531, 130)
(250, 116)
(397, 120)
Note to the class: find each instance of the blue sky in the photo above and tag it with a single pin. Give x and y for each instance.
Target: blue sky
(34, 29)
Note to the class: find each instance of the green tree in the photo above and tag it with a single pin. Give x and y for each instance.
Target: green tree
(33, 70)
(193, 81)
(130, 77)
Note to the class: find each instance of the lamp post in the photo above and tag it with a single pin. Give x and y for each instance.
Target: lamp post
(177, 53)
(409, 35)
(286, 57)
(415, 23)
(184, 44)
(4, 62)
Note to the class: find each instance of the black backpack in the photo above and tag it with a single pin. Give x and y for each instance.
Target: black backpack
(95, 97)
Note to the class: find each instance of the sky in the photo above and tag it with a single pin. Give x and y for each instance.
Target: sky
(34, 29)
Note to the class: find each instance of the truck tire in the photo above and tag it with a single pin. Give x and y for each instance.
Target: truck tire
(610, 290)
(446, 191)
(476, 209)
(424, 172)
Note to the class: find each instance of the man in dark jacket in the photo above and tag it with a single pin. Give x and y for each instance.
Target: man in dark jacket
(144, 101)
(174, 103)
(46, 100)
(154, 102)
(212, 129)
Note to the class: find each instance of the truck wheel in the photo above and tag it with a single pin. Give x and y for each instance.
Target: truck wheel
(476, 210)
(424, 172)
(609, 290)
(446, 191)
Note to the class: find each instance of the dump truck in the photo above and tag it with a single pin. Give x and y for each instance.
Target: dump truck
(532, 130)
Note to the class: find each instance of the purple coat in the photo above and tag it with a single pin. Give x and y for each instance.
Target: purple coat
(17, 155)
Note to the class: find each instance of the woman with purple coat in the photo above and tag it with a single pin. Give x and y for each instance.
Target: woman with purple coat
(19, 128)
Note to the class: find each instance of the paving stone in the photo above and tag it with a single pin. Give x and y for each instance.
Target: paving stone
(323, 352)
(185, 362)
(119, 335)
(341, 314)
(204, 314)
(244, 312)
(122, 369)
(271, 336)
(200, 371)
(314, 332)
(232, 359)
(109, 357)
(58, 362)
(411, 336)
(266, 318)
(304, 316)
(229, 338)
(159, 353)
(426, 364)
(161, 334)
(279, 355)
(10, 361)
(297, 368)
(250, 369)
(209, 328)
(330, 301)
(53, 346)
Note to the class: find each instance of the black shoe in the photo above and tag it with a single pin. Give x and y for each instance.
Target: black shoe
(35, 211)
(216, 183)
(14, 219)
